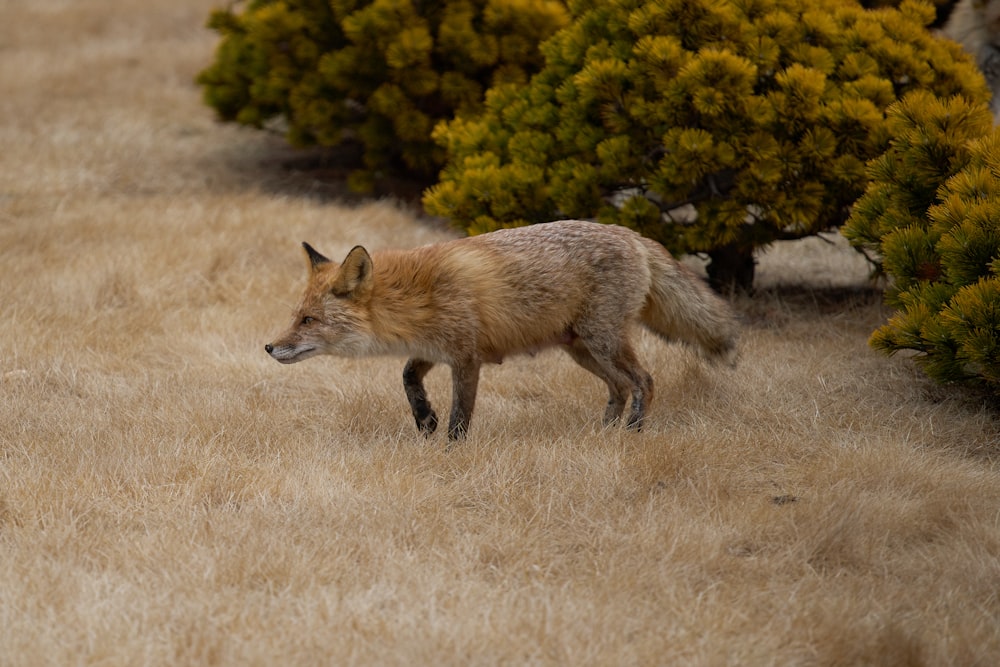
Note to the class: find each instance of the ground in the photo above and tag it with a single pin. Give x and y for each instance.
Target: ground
(171, 495)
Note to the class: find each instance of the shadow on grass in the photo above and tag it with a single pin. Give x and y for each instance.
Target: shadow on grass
(266, 161)
(775, 306)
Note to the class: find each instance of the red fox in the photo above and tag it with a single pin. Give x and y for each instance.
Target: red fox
(574, 284)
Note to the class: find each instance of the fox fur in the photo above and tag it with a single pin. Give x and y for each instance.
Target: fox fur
(573, 284)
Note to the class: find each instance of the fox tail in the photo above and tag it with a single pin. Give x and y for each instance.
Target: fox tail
(682, 307)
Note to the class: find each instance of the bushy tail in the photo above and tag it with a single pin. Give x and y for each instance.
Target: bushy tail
(681, 307)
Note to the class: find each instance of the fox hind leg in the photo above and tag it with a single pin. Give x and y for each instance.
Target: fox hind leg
(640, 399)
(413, 383)
(617, 392)
(640, 380)
(615, 362)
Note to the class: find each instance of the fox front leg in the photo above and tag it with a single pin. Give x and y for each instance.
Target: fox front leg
(465, 382)
(413, 384)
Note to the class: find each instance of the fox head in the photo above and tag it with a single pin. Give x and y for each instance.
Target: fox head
(331, 318)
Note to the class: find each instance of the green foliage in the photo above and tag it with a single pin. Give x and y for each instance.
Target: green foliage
(932, 216)
(942, 7)
(381, 72)
(759, 114)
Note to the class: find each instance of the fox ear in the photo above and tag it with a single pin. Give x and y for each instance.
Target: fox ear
(315, 259)
(355, 276)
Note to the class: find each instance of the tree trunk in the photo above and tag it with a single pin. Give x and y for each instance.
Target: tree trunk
(731, 268)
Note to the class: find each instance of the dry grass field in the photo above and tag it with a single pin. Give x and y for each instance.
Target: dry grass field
(169, 495)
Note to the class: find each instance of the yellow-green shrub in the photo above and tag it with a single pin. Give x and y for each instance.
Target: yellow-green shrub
(931, 217)
(758, 114)
(380, 72)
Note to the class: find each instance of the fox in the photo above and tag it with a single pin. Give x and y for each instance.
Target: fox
(573, 284)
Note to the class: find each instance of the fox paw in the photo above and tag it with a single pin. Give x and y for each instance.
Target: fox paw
(634, 423)
(427, 423)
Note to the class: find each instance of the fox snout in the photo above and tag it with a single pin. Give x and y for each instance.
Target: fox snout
(279, 354)
(289, 354)
(270, 350)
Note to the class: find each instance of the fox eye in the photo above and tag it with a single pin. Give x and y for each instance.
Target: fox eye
(308, 320)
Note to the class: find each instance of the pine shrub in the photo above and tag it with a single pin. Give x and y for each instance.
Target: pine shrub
(379, 72)
(714, 126)
(931, 218)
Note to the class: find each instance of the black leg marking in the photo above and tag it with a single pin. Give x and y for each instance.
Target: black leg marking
(413, 384)
(465, 382)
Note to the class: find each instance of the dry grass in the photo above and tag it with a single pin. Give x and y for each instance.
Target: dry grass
(170, 495)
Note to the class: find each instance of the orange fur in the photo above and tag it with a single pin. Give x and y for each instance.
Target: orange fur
(578, 285)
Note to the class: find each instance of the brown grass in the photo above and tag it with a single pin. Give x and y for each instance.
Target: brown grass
(170, 495)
